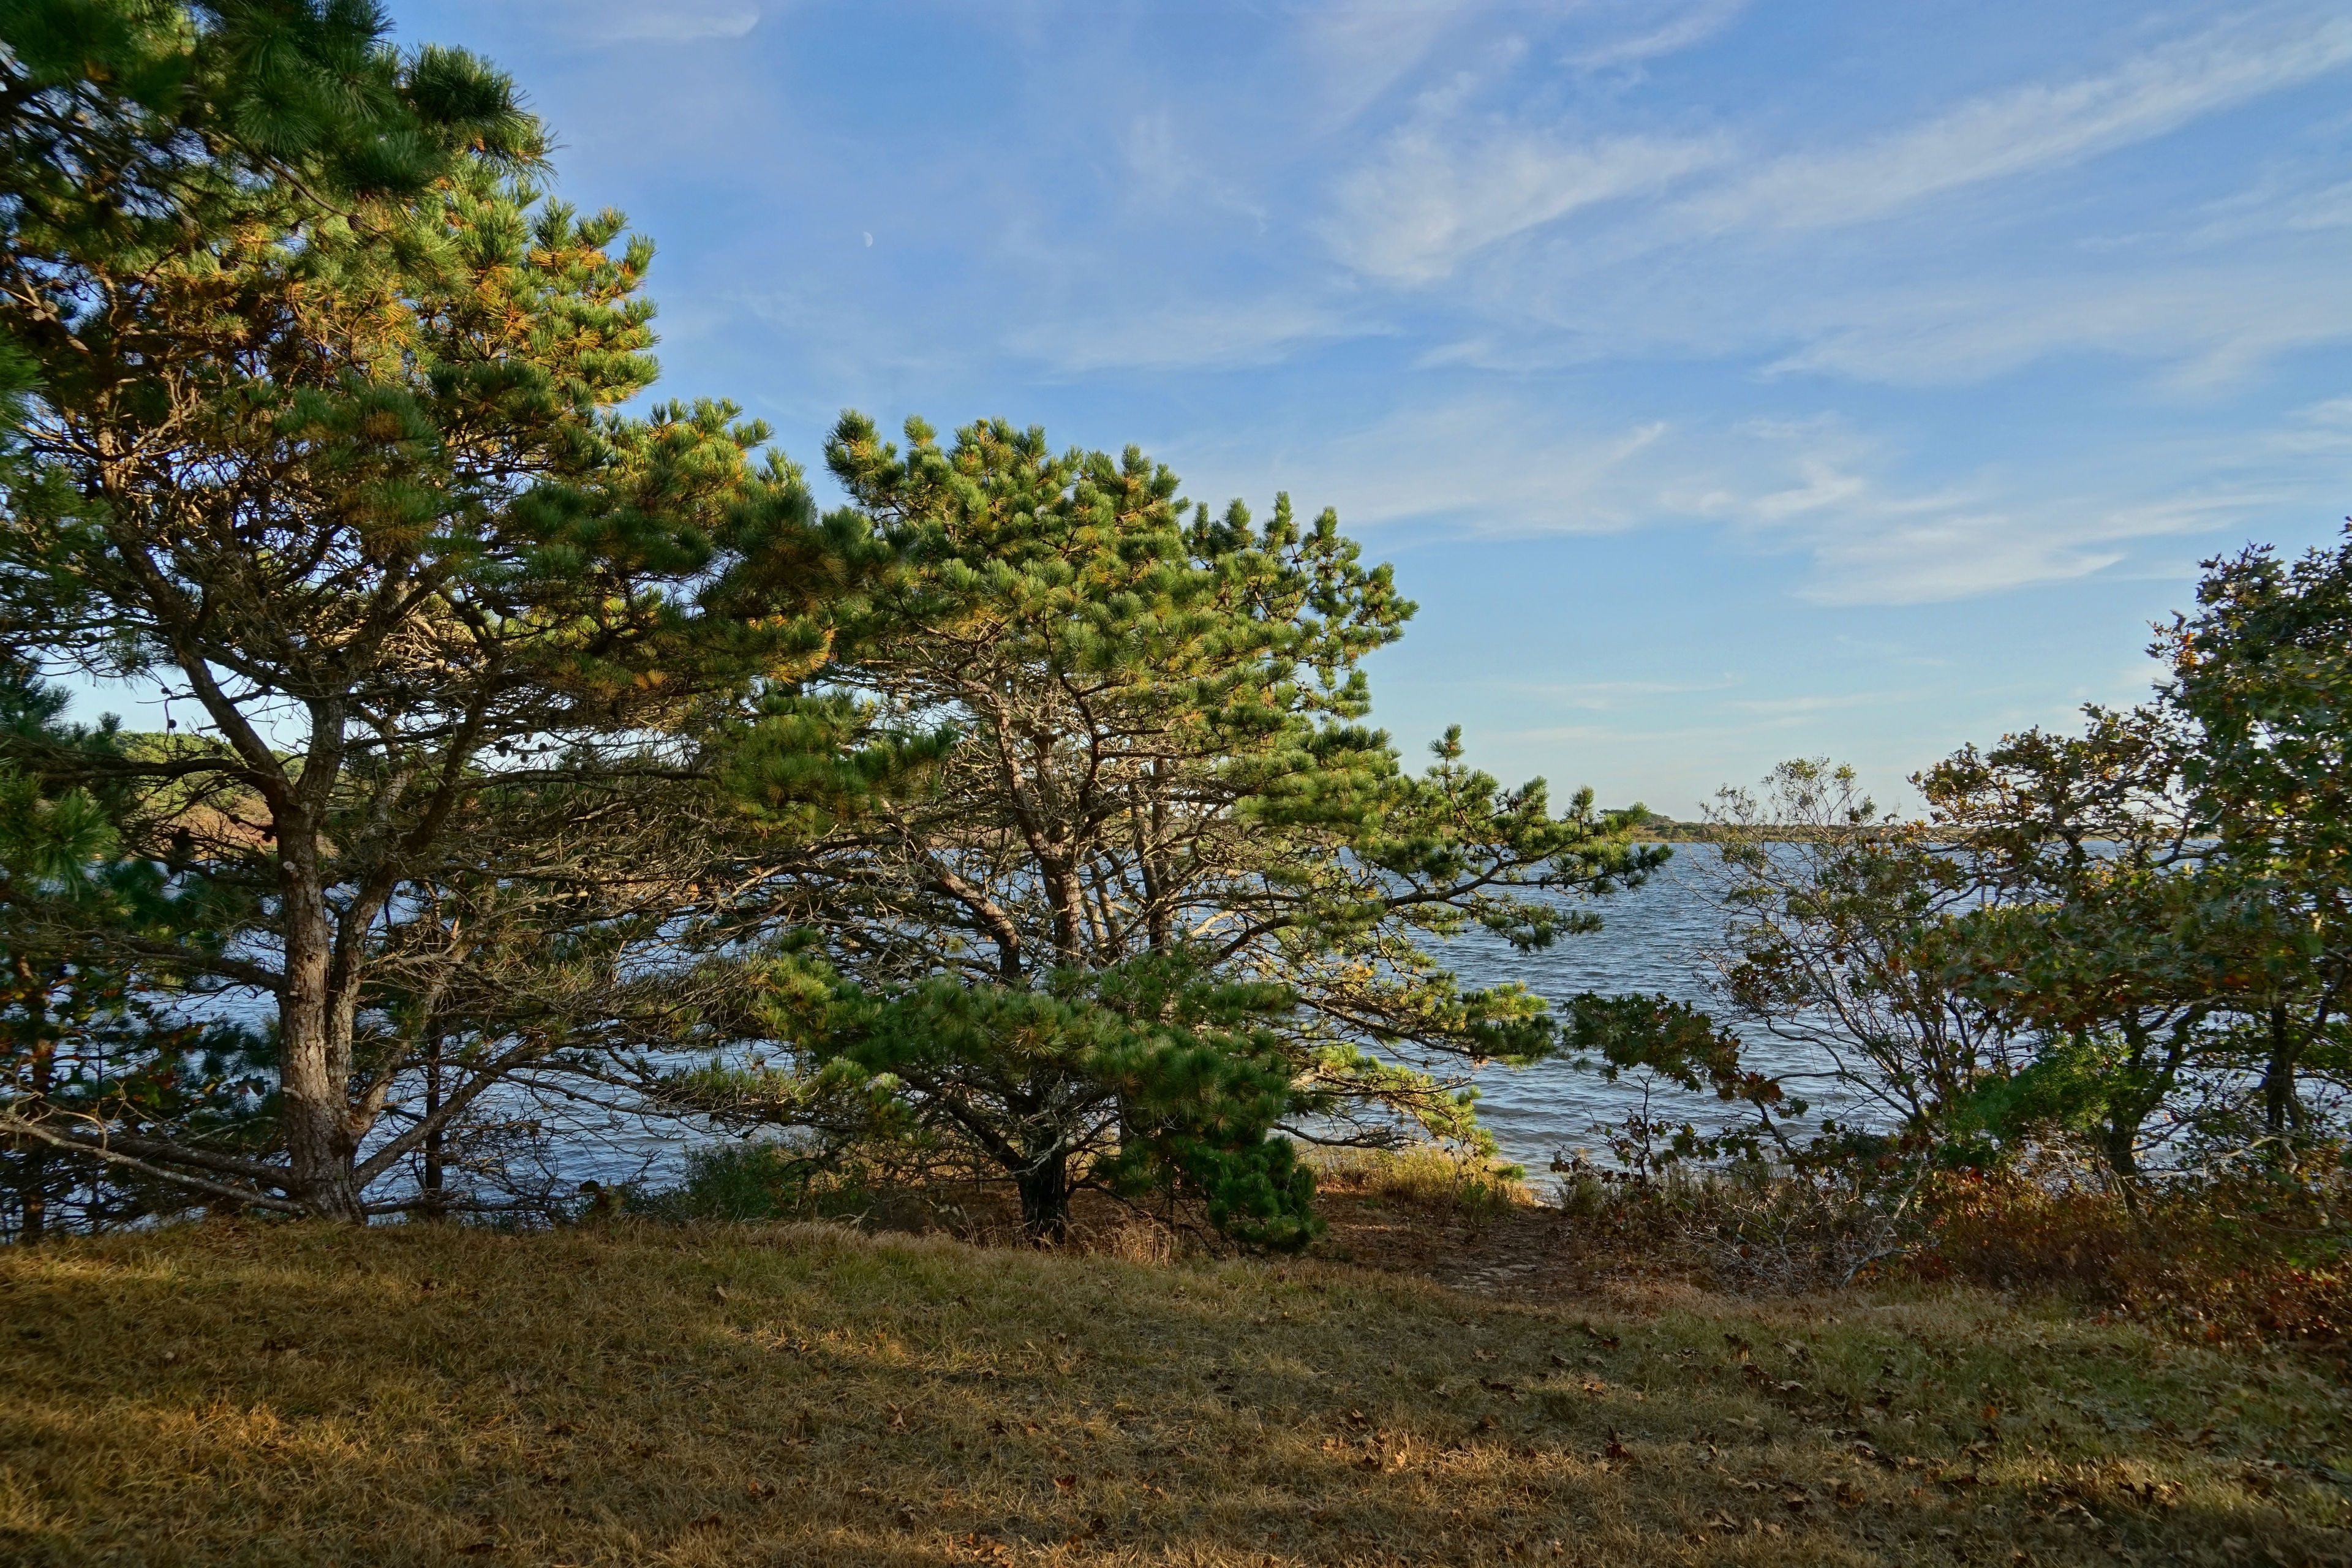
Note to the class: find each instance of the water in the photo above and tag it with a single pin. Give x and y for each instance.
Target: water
(1648, 944)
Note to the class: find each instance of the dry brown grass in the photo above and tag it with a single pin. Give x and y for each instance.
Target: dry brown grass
(240, 1394)
(1420, 1176)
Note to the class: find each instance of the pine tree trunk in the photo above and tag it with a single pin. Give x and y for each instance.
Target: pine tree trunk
(314, 1116)
(1045, 1200)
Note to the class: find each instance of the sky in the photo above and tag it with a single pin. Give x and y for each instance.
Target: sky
(1727, 380)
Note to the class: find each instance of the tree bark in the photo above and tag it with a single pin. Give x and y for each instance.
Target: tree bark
(1045, 1199)
(312, 1072)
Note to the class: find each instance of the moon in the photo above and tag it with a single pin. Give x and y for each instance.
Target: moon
(869, 241)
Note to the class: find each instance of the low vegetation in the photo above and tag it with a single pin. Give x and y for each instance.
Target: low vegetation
(240, 1393)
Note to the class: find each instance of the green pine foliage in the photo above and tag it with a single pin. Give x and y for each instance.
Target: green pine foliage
(87, 1049)
(325, 441)
(1101, 863)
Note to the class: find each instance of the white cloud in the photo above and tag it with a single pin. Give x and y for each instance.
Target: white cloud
(1360, 50)
(1436, 196)
(1873, 543)
(2330, 208)
(1809, 487)
(1693, 26)
(2212, 323)
(1479, 466)
(2031, 127)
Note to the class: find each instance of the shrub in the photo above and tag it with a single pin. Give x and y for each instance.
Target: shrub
(2254, 1250)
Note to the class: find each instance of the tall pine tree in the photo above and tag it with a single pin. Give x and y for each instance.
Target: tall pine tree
(323, 442)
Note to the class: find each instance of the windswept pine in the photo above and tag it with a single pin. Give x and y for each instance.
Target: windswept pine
(1106, 878)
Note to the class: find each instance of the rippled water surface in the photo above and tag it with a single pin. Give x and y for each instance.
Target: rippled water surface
(1648, 944)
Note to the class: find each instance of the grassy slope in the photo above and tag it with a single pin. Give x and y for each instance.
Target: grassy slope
(234, 1394)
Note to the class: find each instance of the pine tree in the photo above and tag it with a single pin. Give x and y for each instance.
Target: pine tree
(84, 1046)
(1099, 864)
(322, 440)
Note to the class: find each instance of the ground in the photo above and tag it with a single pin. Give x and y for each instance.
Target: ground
(236, 1393)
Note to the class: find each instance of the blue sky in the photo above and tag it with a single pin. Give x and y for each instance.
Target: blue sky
(1729, 380)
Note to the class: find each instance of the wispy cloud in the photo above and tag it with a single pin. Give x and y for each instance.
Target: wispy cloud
(1358, 51)
(1476, 466)
(2032, 127)
(1873, 542)
(2210, 322)
(1436, 195)
(1693, 26)
(1869, 530)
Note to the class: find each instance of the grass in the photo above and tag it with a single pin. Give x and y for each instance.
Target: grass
(233, 1393)
(1419, 1176)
